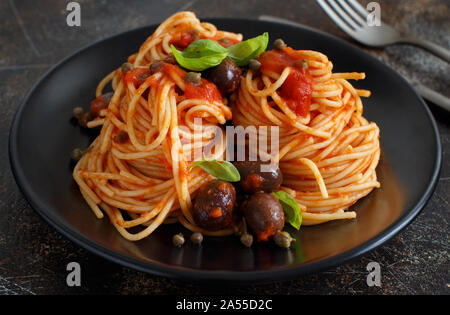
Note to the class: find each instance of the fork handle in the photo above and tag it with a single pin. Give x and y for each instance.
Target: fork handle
(431, 47)
(433, 96)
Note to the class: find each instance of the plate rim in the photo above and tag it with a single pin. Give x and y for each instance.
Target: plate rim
(198, 275)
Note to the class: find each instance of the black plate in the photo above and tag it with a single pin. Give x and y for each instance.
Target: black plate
(42, 139)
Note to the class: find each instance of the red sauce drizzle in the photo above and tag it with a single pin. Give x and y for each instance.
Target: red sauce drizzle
(297, 89)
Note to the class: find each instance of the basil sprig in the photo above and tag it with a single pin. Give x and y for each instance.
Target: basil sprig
(205, 53)
(223, 170)
(290, 207)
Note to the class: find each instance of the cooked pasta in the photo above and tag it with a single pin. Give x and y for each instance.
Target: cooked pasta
(138, 169)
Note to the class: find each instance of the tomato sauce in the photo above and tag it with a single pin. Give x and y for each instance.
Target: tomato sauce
(225, 41)
(297, 89)
(206, 91)
(167, 69)
(184, 39)
(98, 104)
(137, 76)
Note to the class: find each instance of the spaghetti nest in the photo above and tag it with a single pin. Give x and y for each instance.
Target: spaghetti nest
(146, 180)
(328, 150)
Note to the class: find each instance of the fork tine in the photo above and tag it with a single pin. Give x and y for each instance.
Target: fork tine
(358, 7)
(343, 14)
(356, 17)
(336, 18)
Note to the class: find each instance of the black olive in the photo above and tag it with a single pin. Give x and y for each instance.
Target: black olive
(264, 215)
(214, 204)
(226, 76)
(253, 179)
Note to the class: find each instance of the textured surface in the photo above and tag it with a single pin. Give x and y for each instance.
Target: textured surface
(33, 256)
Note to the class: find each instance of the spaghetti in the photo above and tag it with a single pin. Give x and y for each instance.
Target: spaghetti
(147, 177)
(137, 169)
(328, 153)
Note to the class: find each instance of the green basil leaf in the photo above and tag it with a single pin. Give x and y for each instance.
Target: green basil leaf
(200, 55)
(223, 170)
(243, 52)
(290, 207)
(203, 47)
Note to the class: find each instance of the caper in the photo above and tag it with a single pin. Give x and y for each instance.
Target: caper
(127, 67)
(120, 137)
(194, 78)
(305, 64)
(279, 44)
(247, 239)
(254, 65)
(302, 64)
(197, 238)
(84, 118)
(77, 154)
(178, 240)
(195, 35)
(77, 111)
(170, 59)
(239, 228)
(225, 41)
(155, 67)
(283, 239)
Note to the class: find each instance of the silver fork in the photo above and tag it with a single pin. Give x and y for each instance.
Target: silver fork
(351, 17)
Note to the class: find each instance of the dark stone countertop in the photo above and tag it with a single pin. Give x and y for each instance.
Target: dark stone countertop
(33, 256)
